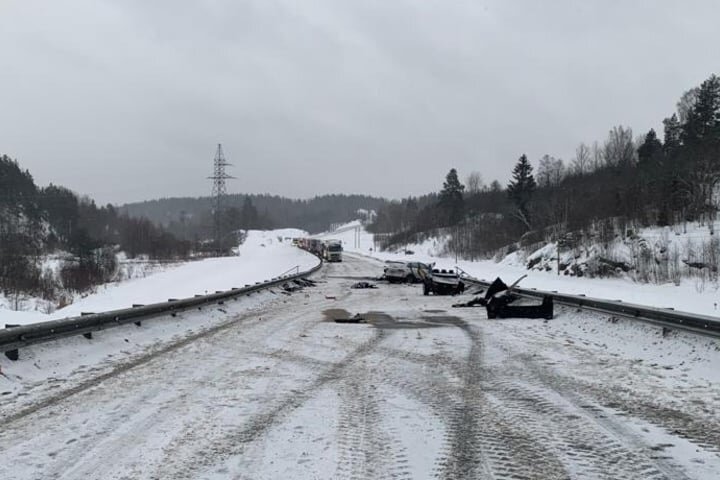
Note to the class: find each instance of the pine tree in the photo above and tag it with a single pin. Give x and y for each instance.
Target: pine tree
(451, 198)
(650, 152)
(703, 122)
(521, 188)
(671, 141)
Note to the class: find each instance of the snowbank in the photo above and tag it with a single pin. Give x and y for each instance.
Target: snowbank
(263, 255)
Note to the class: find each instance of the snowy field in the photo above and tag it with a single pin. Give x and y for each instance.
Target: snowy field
(422, 390)
(262, 256)
(688, 296)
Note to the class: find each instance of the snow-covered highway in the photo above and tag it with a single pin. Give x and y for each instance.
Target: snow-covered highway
(421, 391)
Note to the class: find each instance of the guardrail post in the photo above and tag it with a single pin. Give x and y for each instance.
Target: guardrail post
(87, 335)
(13, 355)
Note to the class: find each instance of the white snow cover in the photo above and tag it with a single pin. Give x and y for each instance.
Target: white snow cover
(689, 296)
(263, 255)
(128, 269)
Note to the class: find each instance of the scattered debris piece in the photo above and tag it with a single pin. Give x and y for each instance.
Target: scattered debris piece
(364, 285)
(475, 302)
(355, 319)
(330, 297)
(287, 287)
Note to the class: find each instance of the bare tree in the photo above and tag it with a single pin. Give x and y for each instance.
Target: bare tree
(543, 172)
(550, 171)
(619, 147)
(598, 156)
(558, 171)
(582, 162)
(474, 183)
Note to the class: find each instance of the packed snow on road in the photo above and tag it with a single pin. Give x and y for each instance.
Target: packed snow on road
(273, 387)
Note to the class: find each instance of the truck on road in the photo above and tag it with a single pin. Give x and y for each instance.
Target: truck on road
(332, 251)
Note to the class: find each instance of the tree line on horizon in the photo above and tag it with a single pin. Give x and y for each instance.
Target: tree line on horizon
(191, 218)
(607, 187)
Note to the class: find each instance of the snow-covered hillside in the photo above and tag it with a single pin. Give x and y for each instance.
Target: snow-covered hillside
(263, 255)
(691, 294)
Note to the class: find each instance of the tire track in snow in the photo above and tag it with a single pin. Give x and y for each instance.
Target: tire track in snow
(124, 367)
(222, 445)
(683, 424)
(478, 442)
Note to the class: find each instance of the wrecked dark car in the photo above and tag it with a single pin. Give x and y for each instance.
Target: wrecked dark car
(499, 299)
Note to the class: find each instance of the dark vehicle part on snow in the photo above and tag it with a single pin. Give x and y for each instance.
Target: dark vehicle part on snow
(355, 319)
(475, 302)
(662, 317)
(289, 288)
(11, 339)
(498, 308)
(443, 282)
(499, 298)
(497, 287)
(360, 285)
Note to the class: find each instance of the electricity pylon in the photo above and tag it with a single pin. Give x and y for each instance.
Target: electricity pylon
(218, 192)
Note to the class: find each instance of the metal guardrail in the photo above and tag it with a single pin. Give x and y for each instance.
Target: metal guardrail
(664, 317)
(11, 339)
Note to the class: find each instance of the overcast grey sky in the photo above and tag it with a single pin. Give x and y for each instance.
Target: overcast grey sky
(126, 100)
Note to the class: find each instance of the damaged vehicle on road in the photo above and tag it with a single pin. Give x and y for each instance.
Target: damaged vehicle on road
(397, 272)
(442, 282)
(499, 300)
(406, 272)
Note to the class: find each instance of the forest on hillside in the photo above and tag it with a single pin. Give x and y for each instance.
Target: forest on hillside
(36, 222)
(192, 218)
(609, 188)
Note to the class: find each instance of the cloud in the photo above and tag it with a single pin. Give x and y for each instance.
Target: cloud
(126, 100)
